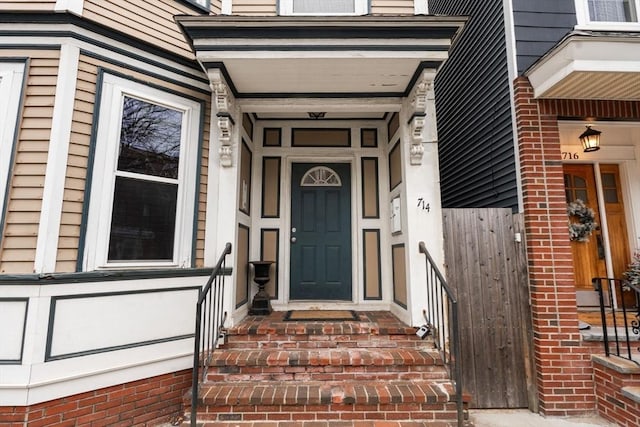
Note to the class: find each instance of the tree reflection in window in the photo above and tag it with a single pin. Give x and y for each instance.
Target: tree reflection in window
(149, 139)
(143, 222)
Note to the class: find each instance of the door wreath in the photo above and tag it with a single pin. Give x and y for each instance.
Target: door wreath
(586, 221)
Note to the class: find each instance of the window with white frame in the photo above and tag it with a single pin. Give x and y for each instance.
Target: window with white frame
(609, 12)
(11, 80)
(324, 7)
(141, 209)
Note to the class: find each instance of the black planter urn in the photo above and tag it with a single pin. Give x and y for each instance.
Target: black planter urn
(261, 305)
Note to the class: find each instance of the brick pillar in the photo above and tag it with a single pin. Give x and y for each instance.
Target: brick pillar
(564, 375)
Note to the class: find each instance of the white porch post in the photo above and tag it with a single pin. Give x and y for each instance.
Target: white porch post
(422, 205)
(222, 184)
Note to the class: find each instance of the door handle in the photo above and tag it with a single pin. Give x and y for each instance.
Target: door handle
(293, 240)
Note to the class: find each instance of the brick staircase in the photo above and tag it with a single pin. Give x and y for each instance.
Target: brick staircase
(374, 372)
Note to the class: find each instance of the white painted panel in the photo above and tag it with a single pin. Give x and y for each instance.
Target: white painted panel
(94, 323)
(12, 316)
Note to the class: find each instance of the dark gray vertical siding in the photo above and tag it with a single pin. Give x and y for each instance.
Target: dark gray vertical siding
(476, 142)
(539, 25)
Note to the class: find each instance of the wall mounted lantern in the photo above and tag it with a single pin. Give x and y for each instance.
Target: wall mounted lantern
(590, 139)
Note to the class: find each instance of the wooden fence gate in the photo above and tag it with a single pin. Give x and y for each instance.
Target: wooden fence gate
(485, 263)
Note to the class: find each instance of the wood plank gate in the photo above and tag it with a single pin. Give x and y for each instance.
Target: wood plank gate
(485, 263)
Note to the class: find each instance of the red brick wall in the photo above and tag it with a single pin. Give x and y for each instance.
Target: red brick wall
(564, 381)
(612, 404)
(145, 402)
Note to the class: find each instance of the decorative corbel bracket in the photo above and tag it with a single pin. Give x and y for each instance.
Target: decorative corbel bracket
(416, 150)
(223, 104)
(422, 121)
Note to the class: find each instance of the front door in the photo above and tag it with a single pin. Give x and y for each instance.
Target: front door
(320, 231)
(589, 258)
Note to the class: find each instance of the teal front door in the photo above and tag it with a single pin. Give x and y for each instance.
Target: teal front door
(320, 231)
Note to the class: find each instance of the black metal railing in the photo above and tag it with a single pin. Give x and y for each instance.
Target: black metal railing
(210, 318)
(621, 317)
(441, 316)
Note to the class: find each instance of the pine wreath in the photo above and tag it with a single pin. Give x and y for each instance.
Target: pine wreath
(581, 230)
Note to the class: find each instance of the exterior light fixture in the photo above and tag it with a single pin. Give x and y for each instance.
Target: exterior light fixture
(316, 116)
(590, 139)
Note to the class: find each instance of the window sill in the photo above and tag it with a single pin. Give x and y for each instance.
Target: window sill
(610, 26)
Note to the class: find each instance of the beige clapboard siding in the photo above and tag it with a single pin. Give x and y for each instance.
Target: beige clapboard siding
(216, 7)
(151, 21)
(78, 159)
(392, 7)
(27, 5)
(254, 7)
(17, 254)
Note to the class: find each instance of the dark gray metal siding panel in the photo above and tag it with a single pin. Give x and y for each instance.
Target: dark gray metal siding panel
(477, 160)
(540, 25)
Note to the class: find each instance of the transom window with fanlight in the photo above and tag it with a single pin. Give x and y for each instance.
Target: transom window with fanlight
(324, 7)
(613, 12)
(321, 176)
(143, 187)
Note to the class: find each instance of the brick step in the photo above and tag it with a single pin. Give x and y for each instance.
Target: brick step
(326, 365)
(248, 395)
(322, 336)
(331, 423)
(325, 401)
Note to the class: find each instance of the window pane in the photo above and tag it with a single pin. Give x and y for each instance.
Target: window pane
(143, 221)
(323, 6)
(608, 180)
(149, 139)
(611, 10)
(610, 195)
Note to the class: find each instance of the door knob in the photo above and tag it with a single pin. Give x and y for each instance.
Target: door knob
(293, 240)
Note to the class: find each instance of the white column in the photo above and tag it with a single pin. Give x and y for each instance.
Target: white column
(55, 175)
(73, 6)
(422, 205)
(420, 7)
(227, 7)
(222, 188)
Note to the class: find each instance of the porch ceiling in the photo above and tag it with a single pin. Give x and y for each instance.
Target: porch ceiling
(364, 56)
(588, 65)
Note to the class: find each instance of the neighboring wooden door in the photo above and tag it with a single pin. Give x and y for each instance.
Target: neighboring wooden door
(320, 232)
(588, 257)
(616, 225)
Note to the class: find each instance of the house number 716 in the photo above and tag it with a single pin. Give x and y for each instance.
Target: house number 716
(423, 205)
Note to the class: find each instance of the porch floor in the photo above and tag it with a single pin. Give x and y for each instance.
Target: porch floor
(374, 322)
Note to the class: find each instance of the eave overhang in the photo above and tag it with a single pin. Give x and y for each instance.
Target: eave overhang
(589, 65)
(320, 57)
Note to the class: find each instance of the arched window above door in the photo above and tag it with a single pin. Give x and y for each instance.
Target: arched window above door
(321, 176)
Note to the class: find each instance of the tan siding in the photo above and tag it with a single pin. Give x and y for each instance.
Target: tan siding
(254, 7)
(392, 7)
(216, 7)
(78, 160)
(151, 21)
(25, 192)
(27, 5)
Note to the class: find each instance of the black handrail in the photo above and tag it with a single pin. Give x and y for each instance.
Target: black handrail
(442, 320)
(210, 318)
(607, 288)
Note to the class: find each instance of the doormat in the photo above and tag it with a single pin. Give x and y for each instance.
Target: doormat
(308, 315)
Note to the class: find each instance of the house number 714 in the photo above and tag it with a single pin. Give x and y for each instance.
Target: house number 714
(422, 204)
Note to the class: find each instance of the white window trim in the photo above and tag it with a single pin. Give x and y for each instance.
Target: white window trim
(285, 8)
(114, 88)
(11, 82)
(585, 23)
